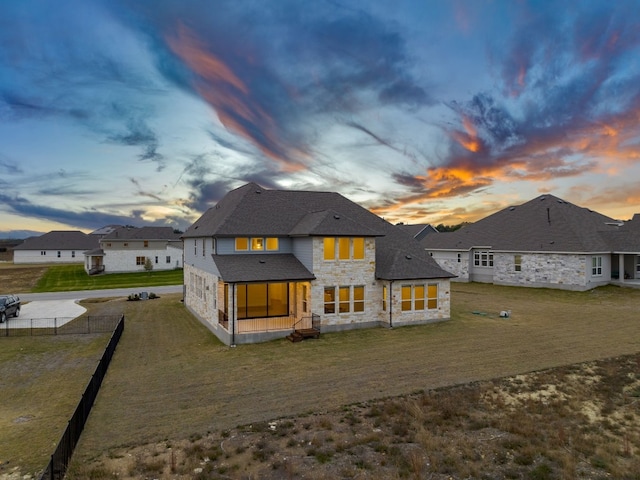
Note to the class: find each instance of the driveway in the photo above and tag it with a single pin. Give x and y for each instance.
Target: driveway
(63, 306)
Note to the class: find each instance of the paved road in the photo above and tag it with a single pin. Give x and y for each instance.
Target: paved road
(82, 294)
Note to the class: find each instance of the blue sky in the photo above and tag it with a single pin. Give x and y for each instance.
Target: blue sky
(148, 112)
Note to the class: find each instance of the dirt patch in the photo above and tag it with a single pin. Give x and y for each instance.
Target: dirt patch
(526, 426)
(20, 279)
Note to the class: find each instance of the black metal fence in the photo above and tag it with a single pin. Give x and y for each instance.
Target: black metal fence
(60, 459)
(18, 327)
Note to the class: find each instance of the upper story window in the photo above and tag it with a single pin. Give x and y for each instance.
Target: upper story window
(346, 248)
(272, 243)
(242, 243)
(146, 243)
(258, 244)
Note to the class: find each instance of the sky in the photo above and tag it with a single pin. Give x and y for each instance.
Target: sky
(423, 111)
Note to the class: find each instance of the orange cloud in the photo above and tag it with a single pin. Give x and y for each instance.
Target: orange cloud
(224, 90)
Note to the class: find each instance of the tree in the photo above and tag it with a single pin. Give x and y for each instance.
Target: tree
(148, 265)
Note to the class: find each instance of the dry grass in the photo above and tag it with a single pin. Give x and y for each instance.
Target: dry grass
(172, 383)
(20, 279)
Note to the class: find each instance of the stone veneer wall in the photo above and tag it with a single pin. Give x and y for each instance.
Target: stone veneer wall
(449, 262)
(443, 312)
(555, 270)
(205, 306)
(337, 273)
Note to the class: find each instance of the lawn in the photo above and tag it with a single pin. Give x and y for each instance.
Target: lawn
(64, 278)
(172, 387)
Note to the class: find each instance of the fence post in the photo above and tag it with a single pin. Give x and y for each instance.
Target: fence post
(88, 324)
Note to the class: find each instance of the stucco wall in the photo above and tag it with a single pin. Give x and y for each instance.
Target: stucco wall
(125, 260)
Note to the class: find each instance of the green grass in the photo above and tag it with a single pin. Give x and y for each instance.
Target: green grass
(66, 278)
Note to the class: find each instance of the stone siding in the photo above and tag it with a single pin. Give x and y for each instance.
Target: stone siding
(201, 294)
(567, 271)
(449, 262)
(443, 312)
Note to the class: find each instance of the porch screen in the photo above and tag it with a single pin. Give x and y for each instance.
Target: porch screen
(259, 300)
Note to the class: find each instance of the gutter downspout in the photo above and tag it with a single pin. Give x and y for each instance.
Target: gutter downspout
(391, 304)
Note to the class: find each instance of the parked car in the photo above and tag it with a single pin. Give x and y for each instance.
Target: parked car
(9, 306)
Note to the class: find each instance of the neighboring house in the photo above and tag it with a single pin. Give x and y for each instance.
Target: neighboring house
(55, 247)
(545, 242)
(263, 263)
(418, 231)
(126, 249)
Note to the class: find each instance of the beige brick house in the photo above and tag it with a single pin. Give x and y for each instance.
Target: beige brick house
(262, 264)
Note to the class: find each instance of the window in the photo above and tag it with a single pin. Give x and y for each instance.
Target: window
(195, 246)
(384, 298)
(406, 298)
(156, 260)
(146, 243)
(358, 248)
(305, 293)
(484, 259)
(73, 254)
(257, 244)
(204, 246)
(432, 296)
(413, 297)
(140, 260)
(126, 244)
(596, 266)
(329, 248)
(108, 244)
(343, 248)
(272, 243)
(58, 253)
(517, 263)
(259, 300)
(168, 258)
(347, 248)
(242, 243)
(43, 252)
(459, 257)
(358, 299)
(344, 300)
(329, 299)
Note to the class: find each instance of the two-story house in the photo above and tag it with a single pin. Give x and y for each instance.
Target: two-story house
(128, 249)
(263, 263)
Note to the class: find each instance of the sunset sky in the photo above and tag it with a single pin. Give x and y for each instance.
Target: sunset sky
(148, 112)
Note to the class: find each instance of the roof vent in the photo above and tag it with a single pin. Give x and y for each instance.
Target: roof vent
(337, 217)
(262, 261)
(511, 209)
(408, 257)
(258, 191)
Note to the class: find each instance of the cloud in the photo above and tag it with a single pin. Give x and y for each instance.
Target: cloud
(138, 133)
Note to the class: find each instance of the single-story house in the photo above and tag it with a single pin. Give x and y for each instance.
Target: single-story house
(262, 264)
(57, 246)
(545, 242)
(126, 249)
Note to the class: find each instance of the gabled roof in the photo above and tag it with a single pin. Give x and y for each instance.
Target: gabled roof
(254, 211)
(261, 268)
(60, 240)
(544, 224)
(418, 231)
(141, 233)
(626, 239)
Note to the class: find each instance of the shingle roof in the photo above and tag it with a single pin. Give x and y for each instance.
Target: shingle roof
(261, 268)
(626, 239)
(254, 211)
(544, 224)
(142, 233)
(60, 240)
